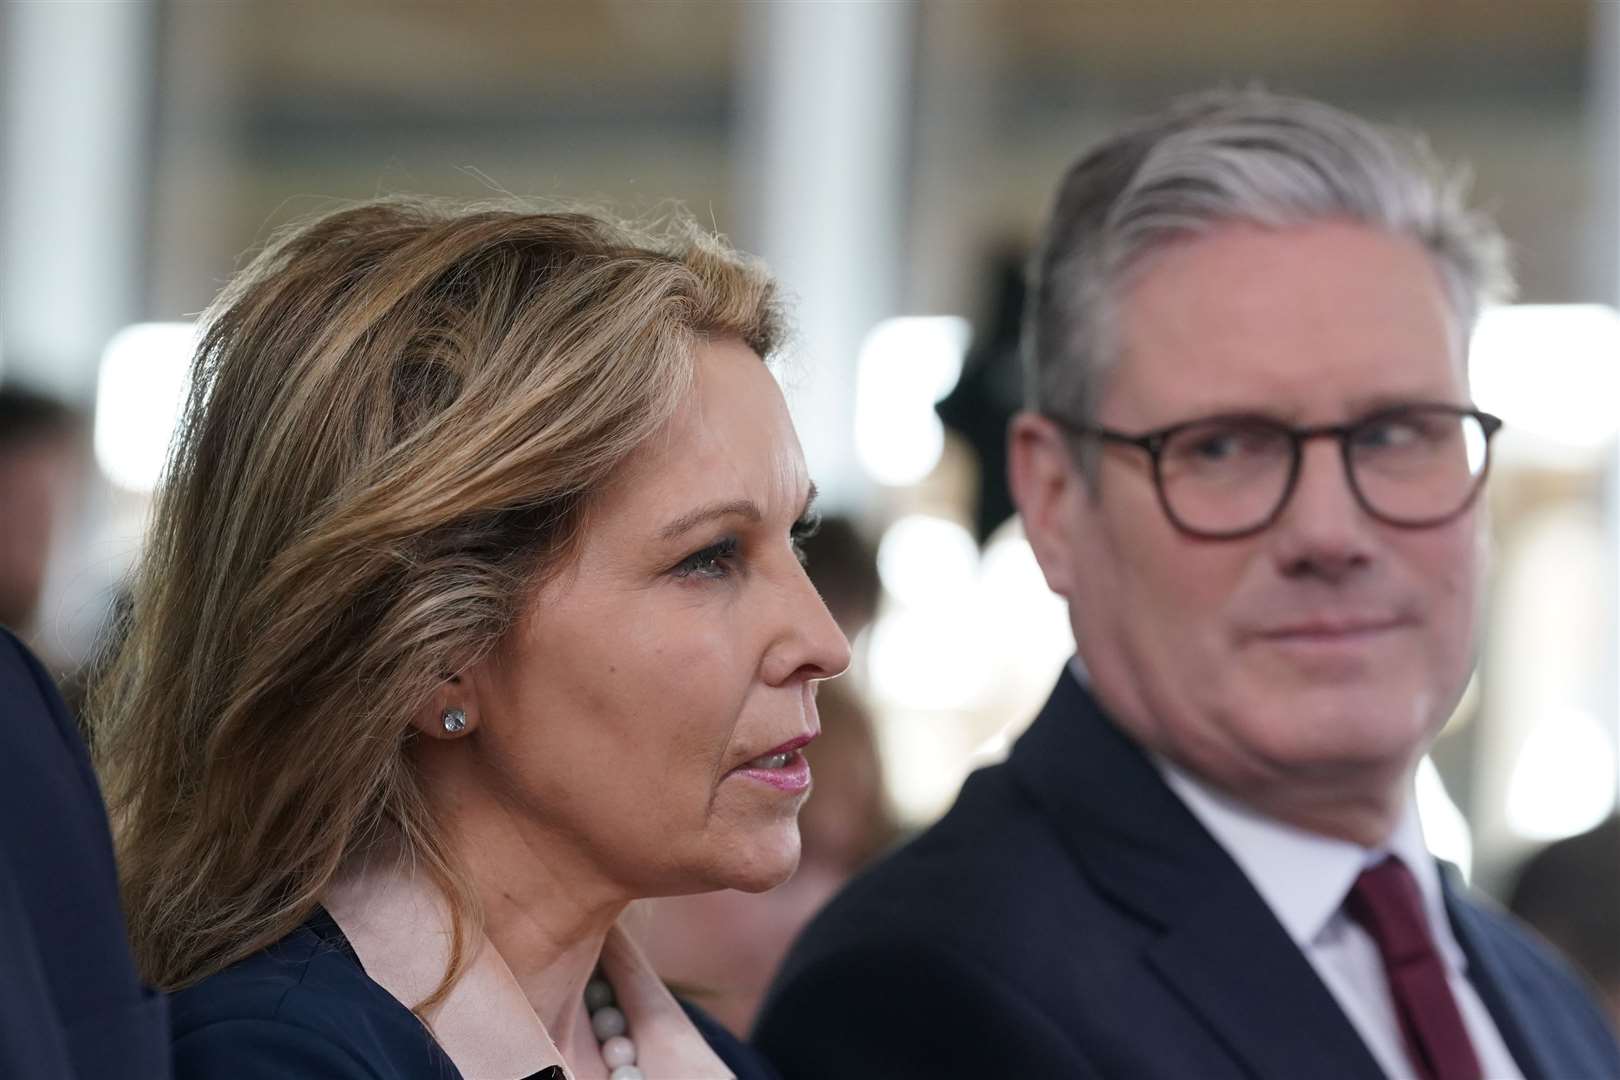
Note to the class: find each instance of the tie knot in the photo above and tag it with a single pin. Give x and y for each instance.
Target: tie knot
(1386, 902)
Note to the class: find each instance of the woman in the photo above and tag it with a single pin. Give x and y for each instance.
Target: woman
(472, 611)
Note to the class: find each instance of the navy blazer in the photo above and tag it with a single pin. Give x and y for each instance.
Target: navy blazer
(1069, 917)
(71, 1004)
(306, 1008)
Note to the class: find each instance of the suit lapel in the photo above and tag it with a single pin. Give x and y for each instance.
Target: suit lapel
(1231, 962)
(1532, 1045)
(1220, 949)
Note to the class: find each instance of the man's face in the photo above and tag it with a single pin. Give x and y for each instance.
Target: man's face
(1329, 647)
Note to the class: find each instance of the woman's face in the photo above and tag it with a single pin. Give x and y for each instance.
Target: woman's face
(632, 714)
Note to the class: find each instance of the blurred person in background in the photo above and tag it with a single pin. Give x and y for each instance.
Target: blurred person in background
(1250, 464)
(843, 567)
(472, 611)
(722, 948)
(40, 459)
(1570, 892)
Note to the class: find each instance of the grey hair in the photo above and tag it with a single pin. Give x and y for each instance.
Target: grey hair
(1219, 157)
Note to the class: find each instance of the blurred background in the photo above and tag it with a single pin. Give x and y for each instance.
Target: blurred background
(892, 161)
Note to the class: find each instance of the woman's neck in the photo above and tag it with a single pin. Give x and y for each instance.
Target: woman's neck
(546, 913)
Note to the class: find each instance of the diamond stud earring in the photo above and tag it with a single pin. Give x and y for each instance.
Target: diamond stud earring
(454, 720)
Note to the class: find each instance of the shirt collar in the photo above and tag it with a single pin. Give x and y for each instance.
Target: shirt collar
(398, 924)
(1302, 876)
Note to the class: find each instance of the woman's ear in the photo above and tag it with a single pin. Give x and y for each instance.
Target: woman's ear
(451, 713)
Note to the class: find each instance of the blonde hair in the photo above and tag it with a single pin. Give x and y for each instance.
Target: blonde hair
(399, 415)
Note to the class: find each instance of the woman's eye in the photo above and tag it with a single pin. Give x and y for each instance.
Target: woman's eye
(711, 562)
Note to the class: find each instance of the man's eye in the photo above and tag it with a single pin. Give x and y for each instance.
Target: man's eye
(1392, 433)
(1215, 445)
(711, 562)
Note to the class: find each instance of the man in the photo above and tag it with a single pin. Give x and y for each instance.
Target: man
(71, 1004)
(1251, 466)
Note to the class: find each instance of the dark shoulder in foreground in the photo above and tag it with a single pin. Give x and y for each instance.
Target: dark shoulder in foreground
(302, 1007)
(966, 886)
(917, 969)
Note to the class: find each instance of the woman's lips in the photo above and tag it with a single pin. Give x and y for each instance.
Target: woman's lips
(793, 775)
(784, 767)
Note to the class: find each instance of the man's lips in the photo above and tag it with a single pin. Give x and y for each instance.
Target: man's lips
(1331, 630)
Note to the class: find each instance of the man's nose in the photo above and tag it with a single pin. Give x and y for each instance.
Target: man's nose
(1324, 531)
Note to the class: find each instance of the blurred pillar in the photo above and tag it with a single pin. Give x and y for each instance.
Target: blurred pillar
(957, 168)
(72, 185)
(1604, 263)
(824, 113)
(206, 194)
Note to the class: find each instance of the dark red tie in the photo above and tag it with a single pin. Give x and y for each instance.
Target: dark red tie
(1386, 902)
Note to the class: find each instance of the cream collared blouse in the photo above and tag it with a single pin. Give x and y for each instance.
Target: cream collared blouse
(398, 925)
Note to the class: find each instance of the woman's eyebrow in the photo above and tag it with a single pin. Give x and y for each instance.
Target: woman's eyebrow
(744, 508)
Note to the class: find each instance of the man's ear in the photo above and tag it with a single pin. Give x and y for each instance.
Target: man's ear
(1048, 489)
(452, 711)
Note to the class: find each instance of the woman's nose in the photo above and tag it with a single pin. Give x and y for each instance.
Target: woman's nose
(810, 645)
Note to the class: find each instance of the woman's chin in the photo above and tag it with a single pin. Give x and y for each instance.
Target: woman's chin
(767, 863)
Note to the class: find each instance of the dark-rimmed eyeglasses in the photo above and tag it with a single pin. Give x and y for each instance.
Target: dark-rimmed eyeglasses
(1228, 476)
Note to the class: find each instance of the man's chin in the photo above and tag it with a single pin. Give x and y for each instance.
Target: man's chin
(1348, 728)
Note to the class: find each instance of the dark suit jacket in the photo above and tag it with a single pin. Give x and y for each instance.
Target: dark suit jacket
(306, 1008)
(70, 1002)
(1069, 917)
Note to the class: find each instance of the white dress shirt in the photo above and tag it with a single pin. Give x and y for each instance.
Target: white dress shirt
(1304, 878)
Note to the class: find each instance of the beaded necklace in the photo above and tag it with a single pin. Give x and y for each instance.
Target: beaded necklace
(612, 1031)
